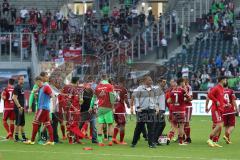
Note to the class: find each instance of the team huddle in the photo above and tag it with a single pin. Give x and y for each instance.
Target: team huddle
(77, 106)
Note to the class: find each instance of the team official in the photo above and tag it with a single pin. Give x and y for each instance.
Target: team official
(19, 100)
(146, 105)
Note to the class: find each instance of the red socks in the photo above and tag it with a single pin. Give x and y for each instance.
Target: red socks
(63, 130)
(180, 140)
(115, 133)
(187, 132)
(84, 128)
(170, 135)
(12, 128)
(77, 139)
(6, 126)
(34, 132)
(215, 138)
(122, 134)
(50, 132)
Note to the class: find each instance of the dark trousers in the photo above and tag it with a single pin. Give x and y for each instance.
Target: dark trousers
(159, 125)
(85, 117)
(179, 39)
(158, 52)
(143, 131)
(145, 117)
(55, 122)
(164, 52)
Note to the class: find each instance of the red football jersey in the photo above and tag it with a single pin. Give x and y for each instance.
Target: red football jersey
(178, 103)
(121, 96)
(8, 102)
(77, 93)
(25, 43)
(102, 92)
(53, 25)
(189, 92)
(44, 21)
(167, 95)
(229, 96)
(64, 98)
(216, 94)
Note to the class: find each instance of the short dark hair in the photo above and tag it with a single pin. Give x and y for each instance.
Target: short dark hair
(74, 80)
(220, 78)
(104, 76)
(146, 77)
(11, 81)
(121, 80)
(20, 76)
(161, 79)
(43, 74)
(111, 81)
(90, 78)
(186, 80)
(38, 78)
(179, 81)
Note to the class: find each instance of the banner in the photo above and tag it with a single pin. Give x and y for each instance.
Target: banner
(201, 95)
(72, 55)
(198, 108)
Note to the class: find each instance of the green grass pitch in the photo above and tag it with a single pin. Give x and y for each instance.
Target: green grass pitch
(198, 150)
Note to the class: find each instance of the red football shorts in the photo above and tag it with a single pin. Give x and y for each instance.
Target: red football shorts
(120, 119)
(8, 114)
(217, 116)
(42, 116)
(178, 117)
(188, 114)
(73, 118)
(229, 119)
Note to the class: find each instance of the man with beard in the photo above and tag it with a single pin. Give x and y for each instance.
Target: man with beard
(216, 94)
(19, 100)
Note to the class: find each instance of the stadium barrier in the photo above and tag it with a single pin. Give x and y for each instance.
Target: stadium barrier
(198, 106)
(15, 47)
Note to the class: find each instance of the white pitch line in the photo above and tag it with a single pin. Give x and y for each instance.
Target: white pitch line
(116, 155)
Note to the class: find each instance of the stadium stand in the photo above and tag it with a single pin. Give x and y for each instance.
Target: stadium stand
(214, 52)
(123, 35)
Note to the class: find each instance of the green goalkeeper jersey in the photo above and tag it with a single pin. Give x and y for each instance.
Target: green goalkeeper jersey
(32, 97)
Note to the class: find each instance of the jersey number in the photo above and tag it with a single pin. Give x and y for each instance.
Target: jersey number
(10, 96)
(226, 97)
(176, 98)
(102, 93)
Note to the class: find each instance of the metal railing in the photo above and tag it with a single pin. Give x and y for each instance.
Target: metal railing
(15, 47)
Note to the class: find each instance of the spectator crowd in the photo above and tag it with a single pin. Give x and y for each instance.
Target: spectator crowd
(217, 25)
(53, 31)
